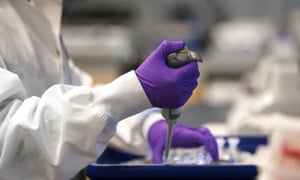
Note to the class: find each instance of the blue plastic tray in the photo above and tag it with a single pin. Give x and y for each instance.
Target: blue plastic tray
(206, 172)
(202, 172)
(249, 143)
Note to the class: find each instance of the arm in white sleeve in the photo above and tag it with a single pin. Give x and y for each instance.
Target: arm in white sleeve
(56, 135)
(132, 132)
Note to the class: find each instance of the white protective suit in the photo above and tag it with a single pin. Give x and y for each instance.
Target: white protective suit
(49, 128)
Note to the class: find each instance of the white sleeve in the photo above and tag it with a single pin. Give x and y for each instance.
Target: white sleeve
(55, 135)
(132, 133)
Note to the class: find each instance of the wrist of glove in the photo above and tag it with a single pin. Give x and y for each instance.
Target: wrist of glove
(183, 137)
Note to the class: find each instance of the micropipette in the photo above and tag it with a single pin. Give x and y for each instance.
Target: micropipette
(176, 60)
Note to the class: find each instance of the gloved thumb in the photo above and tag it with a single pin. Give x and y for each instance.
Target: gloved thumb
(210, 145)
(167, 47)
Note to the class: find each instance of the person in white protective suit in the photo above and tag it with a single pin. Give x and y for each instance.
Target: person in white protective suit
(53, 123)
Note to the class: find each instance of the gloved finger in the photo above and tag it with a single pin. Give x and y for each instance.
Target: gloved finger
(210, 143)
(212, 148)
(191, 84)
(202, 130)
(157, 154)
(168, 47)
(206, 138)
(188, 138)
(183, 99)
(196, 137)
(183, 94)
(189, 71)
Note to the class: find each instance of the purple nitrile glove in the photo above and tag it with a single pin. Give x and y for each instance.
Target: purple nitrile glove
(183, 137)
(164, 86)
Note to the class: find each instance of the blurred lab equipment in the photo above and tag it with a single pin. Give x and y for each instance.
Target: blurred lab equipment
(273, 88)
(99, 37)
(283, 80)
(175, 60)
(281, 158)
(240, 43)
(132, 29)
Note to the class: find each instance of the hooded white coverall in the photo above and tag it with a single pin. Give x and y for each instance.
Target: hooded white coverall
(50, 128)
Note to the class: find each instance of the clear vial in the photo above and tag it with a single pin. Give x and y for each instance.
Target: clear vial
(233, 149)
(191, 156)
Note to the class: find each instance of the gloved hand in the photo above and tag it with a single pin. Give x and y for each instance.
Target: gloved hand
(164, 86)
(183, 136)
